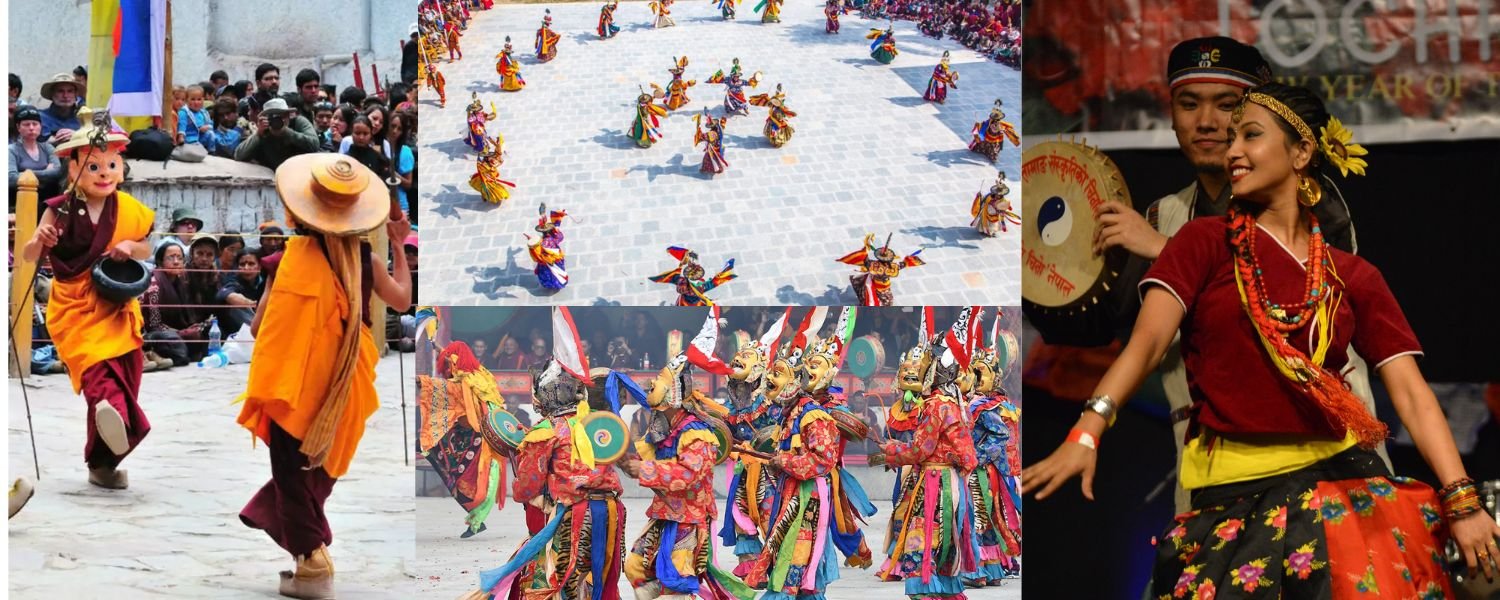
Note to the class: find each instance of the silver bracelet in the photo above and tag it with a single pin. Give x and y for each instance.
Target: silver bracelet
(1104, 406)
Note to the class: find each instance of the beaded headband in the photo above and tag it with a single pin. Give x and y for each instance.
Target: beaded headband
(1280, 109)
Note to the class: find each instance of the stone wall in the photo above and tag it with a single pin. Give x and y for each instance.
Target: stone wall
(225, 194)
(51, 36)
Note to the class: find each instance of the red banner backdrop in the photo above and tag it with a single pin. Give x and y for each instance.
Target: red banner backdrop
(1395, 70)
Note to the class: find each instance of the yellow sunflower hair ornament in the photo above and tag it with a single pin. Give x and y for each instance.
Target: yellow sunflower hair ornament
(1338, 146)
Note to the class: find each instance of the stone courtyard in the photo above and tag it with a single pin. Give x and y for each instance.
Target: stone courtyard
(869, 155)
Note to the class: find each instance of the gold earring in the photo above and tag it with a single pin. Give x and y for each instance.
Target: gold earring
(1309, 193)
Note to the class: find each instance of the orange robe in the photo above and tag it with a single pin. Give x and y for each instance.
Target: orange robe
(86, 329)
(292, 364)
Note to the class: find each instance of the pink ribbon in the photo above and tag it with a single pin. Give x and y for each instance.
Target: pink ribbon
(931, 497)
(809, 579)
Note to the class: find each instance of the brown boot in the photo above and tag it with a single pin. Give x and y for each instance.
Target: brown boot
(313, 579)
(109, 478)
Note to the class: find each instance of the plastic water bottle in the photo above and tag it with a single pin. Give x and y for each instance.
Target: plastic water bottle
(213, 360)
(646, 361)
(213, 335)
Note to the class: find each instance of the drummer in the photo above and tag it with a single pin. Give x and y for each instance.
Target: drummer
(99, 340)
(1207, 77)
(579, 495)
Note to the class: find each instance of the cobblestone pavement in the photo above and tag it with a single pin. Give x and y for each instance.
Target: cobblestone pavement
(448, 566)
(176, 531)
(869, 155)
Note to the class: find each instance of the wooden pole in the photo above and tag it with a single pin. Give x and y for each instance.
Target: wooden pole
(168, 117)
(379, 245)
(21, 297)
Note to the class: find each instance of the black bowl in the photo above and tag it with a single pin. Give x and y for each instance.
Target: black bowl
(121, 281)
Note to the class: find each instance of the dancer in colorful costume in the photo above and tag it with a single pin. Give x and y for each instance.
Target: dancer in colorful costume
(943, 77)
(685, 438)
(607, 28)
(933, 526)
(486, 178)
(438, 83)
(450, 38)
(997, 500)
(990, 135)
(676, 92)
(644, 129)
(735, 102)
(816, 499)
(900, 423)
(578, 554)
(992, 211)
(833, 10)
(878, 268)
(770, 10)
(99, 340)
(663, 11)
(477, 118)
(453, 415)
(551, 270)
(688, 277)
(509, 69)
(883, 49)
(312, 373)
(727, 8)
(546, 40)
(1280, 453)
(752, 416)
(778, 127)
(712, 138)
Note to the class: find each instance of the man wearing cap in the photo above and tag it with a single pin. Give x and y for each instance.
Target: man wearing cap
(94, 320)
(60, 120)
(185, 223)
(1208, 76)
(280, 134)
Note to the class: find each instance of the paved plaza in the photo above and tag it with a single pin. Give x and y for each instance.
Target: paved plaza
(450, 566)
(176, 532)
(869, 155)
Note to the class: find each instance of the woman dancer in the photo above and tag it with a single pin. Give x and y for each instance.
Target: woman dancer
(1289, 498)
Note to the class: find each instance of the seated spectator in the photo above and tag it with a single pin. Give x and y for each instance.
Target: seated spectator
(240, 293)
(226, 134)
(16, 103)
(364, 147)
(60, 120)
(323, 124)
(352, 96)
(185, 224)
(30, 153)
(220, 81)
(406, 159)
(267, 88)
(193, 123)
(203, 273)
(272, 241)
(279, 135)
(308, 88)
(230, 245)
(539, 354)
(172, 324)
(508, 356)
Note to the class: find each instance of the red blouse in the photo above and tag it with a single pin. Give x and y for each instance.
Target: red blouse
(1234, 385)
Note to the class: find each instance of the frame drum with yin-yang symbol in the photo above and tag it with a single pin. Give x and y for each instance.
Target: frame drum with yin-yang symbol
(1062, 280)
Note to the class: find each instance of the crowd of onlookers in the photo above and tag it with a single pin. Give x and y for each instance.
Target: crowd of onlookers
(212, 281)
(989, 27)
(250, 120)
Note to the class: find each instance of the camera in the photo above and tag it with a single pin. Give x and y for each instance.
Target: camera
(276, 121)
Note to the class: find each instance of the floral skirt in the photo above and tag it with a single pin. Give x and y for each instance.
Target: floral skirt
(1342, 528)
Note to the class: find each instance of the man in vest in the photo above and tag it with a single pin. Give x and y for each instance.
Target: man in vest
(1208, 76)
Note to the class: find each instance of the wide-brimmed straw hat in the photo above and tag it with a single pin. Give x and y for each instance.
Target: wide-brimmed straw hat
(64, 79)
(90, 127)
(332, 194)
